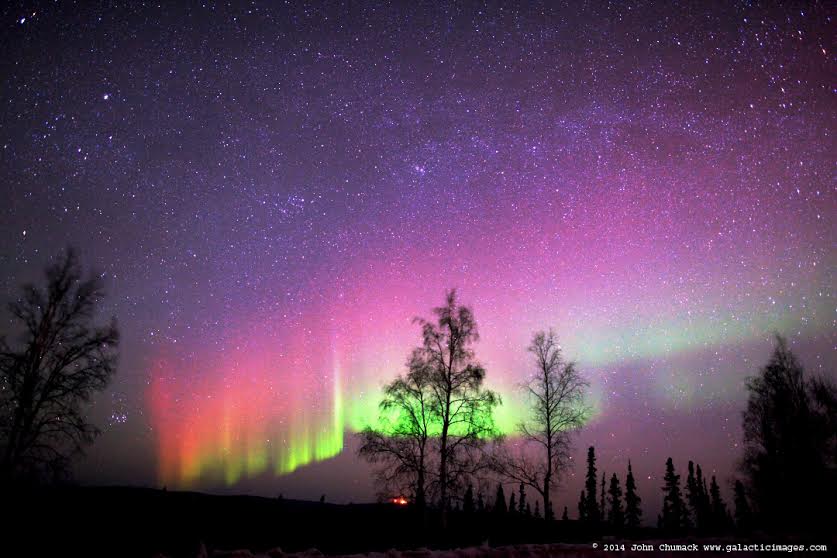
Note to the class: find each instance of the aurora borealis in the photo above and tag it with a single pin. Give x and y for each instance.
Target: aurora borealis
(274, 191)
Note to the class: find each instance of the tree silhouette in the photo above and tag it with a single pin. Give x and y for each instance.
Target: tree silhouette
(401, 441)
(537, 510)
(435, 419)
(616, 515)
(556, 395)
(468, 500)
(790, 441)
(46, 380)
(521, 503)
(512, 505)
(591, 507)
(743, 514)
(702, 513)
(718, 507)
(633, 513)
(602, 505)
(582, 507)
(673, 507)
(459, 403)
(500, 501)
(565, 516)
(693, 495)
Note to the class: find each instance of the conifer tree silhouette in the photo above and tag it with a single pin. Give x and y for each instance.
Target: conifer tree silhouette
(602, 505)
(591, 506)
(468, 500)
(500, 501)
(582, 507)
(616, 514)
(633, 513)
(521, 501)
(693, 496)
(565, 516)
(673, 507)
(718, 507)
(702, 517)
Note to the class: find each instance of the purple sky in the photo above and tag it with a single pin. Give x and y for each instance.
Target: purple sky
(274, 191)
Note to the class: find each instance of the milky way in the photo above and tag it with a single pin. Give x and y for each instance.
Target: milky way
(274, 191)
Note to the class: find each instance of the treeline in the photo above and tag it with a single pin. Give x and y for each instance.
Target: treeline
(696, 506)
(692, 507)
(435, 441)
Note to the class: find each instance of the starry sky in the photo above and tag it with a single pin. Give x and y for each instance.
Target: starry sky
(274, 190)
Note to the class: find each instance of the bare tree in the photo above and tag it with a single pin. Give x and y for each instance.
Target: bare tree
(400, 443)
(556, 393)
(459, 402)
(60, 361)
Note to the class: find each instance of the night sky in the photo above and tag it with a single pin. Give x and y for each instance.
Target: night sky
(273, 191)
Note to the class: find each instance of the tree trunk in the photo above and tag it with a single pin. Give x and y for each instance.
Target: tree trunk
(420, 501)
(443, 476)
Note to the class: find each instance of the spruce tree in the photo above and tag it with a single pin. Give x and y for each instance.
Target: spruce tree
(528, 511)
(616, 515)
(565, 516)
(673, 507)
(521, 502)
(500, 501)
(602, 505)
(582, 507)
(633, 513)
(591, 506)
(468, 500)
(512, 505)
(693, 496)
(702, 501)
(480, 503)
(718, 507)
(537, 510)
